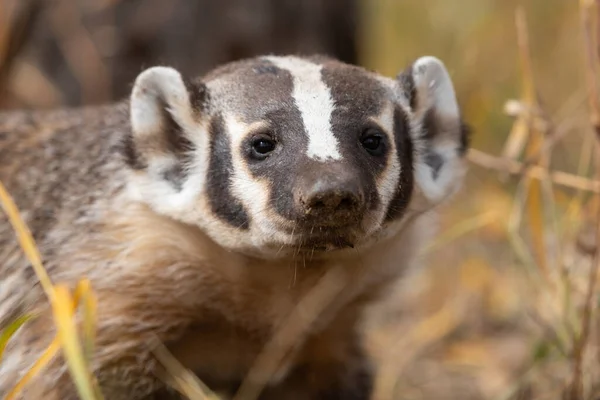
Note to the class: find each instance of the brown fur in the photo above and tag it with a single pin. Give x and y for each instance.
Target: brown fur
(157, 277)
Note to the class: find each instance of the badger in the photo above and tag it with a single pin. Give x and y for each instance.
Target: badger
(203, 210)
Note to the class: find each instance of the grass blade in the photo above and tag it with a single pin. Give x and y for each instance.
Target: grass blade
(62, 308)
(10, 330)
(84, 295)
(181, 379)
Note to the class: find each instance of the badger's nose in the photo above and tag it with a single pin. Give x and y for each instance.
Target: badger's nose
(331, 199)
(323, 200)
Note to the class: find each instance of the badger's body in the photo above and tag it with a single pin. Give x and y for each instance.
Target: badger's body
(204, 211)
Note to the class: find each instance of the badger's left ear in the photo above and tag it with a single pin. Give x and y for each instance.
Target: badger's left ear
(165, 114)
(439, 135)
(167, 140)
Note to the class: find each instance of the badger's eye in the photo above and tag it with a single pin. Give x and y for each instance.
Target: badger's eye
(262, 146)
(373, 142)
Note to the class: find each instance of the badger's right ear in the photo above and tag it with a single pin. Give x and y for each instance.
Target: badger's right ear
(440, 137)
(165, 112)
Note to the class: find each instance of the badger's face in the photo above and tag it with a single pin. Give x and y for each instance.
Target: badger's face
(279, 155)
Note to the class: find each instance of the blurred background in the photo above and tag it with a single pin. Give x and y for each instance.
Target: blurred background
(503, 308)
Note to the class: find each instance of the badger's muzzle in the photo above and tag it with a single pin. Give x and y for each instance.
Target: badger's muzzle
(330, 196)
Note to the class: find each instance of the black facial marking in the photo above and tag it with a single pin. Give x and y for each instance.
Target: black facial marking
(404, 148)
(220, 168)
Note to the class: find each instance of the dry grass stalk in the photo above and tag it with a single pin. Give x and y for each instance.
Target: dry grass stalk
(82, 293)
(526, 123)
(531, 130)
(520, 133)
(564, 179)
(63, 311)
(590, 37)
(180, 378)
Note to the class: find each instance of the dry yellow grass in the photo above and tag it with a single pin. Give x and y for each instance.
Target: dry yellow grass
(507, 307)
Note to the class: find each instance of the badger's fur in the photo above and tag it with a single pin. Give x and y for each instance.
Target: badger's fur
(203, 210)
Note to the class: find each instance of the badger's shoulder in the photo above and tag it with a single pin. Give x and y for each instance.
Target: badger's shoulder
(55, 164)
(51, 159)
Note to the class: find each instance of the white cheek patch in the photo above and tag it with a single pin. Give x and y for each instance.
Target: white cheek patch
(313, 99)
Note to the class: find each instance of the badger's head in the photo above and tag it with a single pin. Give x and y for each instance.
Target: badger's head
(278, 155)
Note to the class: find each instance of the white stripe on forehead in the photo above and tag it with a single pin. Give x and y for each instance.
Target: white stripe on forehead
(313, 99)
